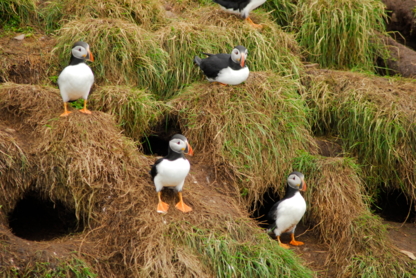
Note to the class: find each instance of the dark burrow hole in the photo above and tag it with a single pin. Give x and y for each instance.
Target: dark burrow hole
(394, 206)
(39, 219)
(263, 208)
(157, 143)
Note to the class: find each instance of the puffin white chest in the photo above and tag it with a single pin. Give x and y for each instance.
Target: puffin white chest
(251, 6)
(75, 82)
(232, 77)
(172, 173)
(289, 212)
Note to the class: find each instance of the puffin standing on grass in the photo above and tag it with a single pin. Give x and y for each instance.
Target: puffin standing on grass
(171, 171)
(241, 7)
(226, 69)
(76, 79)
(287, 213)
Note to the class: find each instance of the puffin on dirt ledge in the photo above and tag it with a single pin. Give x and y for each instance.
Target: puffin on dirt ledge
(241, 7)
(226, 69)
(76, 79)
(171, 171)
(287, 213)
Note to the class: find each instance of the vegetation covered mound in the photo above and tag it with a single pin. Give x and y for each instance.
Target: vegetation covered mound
(247, 139)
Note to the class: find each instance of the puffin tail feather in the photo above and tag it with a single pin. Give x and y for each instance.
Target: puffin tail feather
(197, 60)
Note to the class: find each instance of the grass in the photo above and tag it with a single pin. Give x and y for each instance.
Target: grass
(73, 267)
(148, 14)
(16, 13)
(135, 111)
(336, 34)
(358, 242)
(374, 126)
(234, 251)
(254, 131)
(125, 53)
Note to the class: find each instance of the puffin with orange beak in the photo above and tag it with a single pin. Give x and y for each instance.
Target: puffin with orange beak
(171, 171)
(226, 69)
(75, 81)
(287, 213)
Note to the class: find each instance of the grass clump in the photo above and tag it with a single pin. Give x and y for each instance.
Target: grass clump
(134, 110)
(125, 54)
(338, 205)
(235, 250)
(208, 30)
(252, 131)
(15, 13)
(374, 117)
(148, 14)
(336, 34)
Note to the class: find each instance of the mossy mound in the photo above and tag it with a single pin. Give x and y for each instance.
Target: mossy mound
(254, 130)
(377, 112)
(85, 163)
(339, 210)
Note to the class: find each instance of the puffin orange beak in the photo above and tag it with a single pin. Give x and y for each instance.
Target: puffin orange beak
(190, 150)
(91, 57)
(303, 186)
(243, 59)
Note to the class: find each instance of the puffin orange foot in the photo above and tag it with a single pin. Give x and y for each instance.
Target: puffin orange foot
(258, 26)
(296, 243)
(65, 114)
(286, 246)
(183, 207)
(162, 207)
(85, 111)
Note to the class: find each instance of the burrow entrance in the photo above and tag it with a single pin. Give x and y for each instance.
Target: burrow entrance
(157, 142)
(394, 206)
(38, 219)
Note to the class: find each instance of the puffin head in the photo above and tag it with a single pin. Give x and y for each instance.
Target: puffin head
(81, 50)
(296, 180)
(180, 144)
(239, 55)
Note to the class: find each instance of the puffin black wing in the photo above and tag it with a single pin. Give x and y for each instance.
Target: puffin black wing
(272, 215)
(212, 65)
(233, 4)
(153, 171)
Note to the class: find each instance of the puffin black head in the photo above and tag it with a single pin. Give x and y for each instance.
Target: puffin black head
(239, 55)
(81, 52)
(296, 180)
(179, 144)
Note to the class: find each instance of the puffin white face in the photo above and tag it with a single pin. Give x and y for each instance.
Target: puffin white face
(81, 50)
(296, 181)
(180, 145)
(239, 55)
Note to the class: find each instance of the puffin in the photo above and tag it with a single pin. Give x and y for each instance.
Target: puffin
(171, 171)
(287, 213)
(76, 79)
(241, 7)
(226, 69)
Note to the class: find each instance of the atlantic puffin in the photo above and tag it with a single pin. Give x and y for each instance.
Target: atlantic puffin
(241, 7)
(171, 171)
(226, 69)
(76, 79)
(287, 213)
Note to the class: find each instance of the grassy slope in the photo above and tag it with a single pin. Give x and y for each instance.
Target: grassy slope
(157, 58)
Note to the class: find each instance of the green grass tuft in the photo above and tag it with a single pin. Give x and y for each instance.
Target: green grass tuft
(239, 252)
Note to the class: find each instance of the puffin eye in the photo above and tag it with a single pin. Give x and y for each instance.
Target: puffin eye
(79, 49)
(179, 143)
(294, 178)
(236, 52)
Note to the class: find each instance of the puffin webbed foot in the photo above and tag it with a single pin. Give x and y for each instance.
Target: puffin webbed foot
(294, 242)
(258, 26)
(162, 207)
(85, 111)
(65, 114)
(181, 205)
